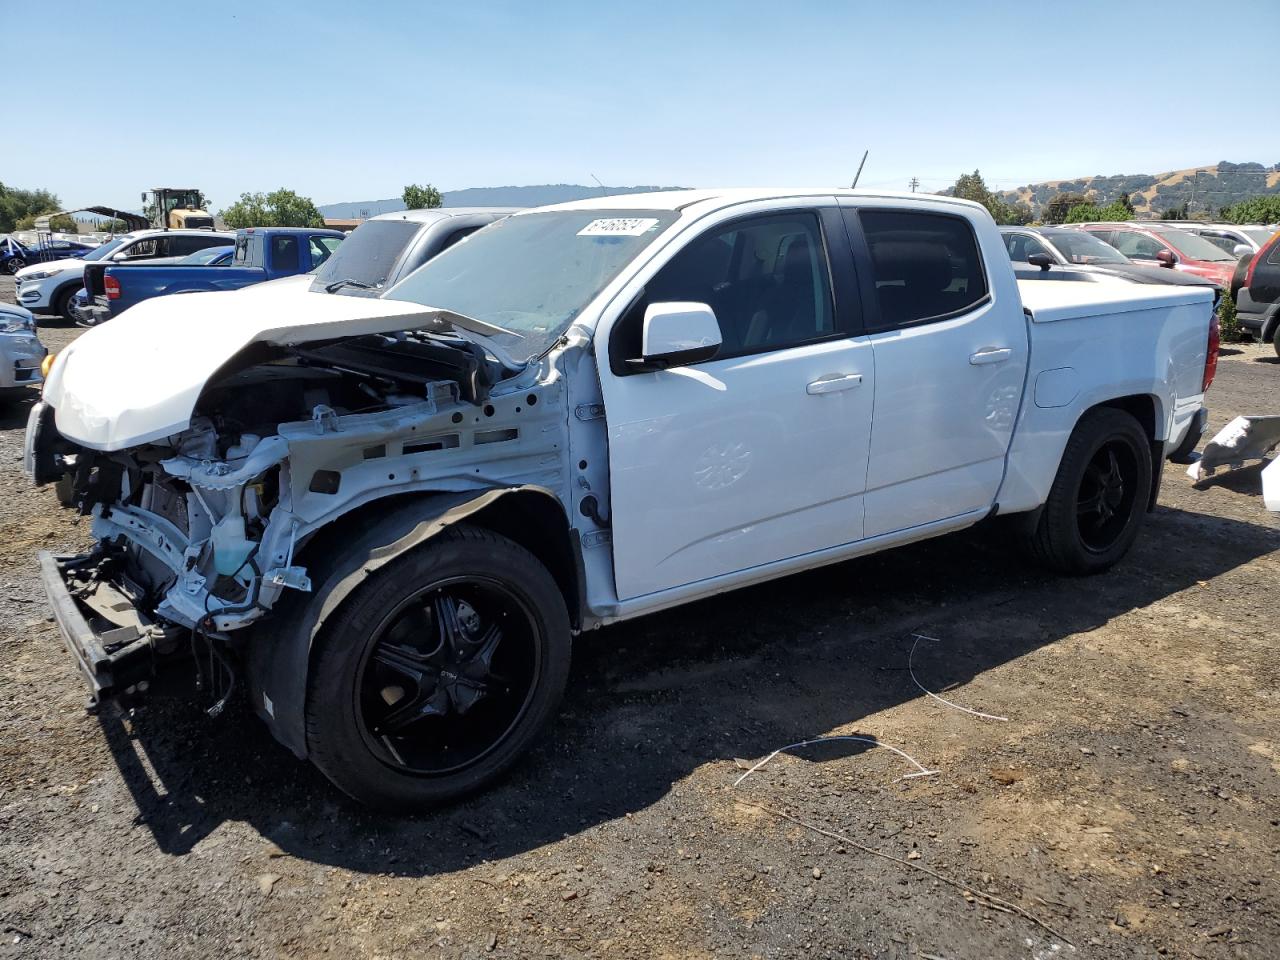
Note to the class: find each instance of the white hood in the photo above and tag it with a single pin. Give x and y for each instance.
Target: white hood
(136, 379)
(53, 266)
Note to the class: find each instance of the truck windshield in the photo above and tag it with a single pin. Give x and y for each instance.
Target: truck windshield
(367, 256)
(532, 273)
(1080, 247)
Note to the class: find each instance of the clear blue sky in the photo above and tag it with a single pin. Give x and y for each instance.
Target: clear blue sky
(351, 100)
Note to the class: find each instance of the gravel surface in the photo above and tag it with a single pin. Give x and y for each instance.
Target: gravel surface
(1130, 802)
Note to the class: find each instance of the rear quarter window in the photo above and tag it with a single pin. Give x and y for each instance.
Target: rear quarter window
(926, 266)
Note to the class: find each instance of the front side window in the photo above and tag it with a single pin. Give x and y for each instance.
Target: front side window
(1023, 245)
(765, 277)
(322, 249)
(926, 266)
(1136, 245)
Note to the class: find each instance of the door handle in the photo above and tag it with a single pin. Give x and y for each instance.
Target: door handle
(834, 382)
(998, 355)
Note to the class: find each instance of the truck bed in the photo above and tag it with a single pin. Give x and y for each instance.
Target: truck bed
(1046, 301)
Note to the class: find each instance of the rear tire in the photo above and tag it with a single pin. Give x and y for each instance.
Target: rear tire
(438, 672)
(1096, 505)
(14, 265)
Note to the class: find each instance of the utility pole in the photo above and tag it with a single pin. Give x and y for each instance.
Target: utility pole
(915, 182)
(598, 183)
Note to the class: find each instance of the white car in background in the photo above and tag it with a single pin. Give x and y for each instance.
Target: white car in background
(21, 352)
(47, 288)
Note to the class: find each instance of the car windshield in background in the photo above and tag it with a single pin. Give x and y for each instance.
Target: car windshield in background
(97, 253)
(207, 255)
(532, 273)
(367, 256)
(1193, 246)
(1259, 235)
(1080, 247)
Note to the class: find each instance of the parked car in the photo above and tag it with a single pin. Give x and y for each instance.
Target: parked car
(1231, 238)
(385, 249)
(258, 254)
(1082, 253)
(48, 288)
(388, 517)
(1258, 298)
(1163, 246)
(14, 255)
(21, 352)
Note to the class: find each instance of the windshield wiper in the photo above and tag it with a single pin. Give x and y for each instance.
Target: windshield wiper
(347, 282)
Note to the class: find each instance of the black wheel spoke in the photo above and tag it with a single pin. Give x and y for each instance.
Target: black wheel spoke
(448, 674)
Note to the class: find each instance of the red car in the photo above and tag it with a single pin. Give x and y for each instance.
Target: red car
(1162, 246)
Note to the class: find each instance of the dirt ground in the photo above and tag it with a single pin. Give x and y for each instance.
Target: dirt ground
(1130, 801)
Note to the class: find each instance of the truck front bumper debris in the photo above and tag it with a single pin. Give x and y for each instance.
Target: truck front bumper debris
(112, 645)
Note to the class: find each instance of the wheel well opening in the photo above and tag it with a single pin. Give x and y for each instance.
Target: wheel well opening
(534, 520)
(537, 522)
(1141, 407)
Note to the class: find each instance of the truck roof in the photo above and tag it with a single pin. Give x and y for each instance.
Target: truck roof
(682, 199)
(441, 213)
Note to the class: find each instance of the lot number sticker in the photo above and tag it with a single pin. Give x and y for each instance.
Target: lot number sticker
(618, 227)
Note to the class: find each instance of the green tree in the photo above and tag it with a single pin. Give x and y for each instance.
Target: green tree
(280, 208)
(17, 204)
(1264, 209)
(1174, 213)
(418, 196)
(111, 226)
(1127, 203)
(1228, 322)
(1090, 213)
(1059, 207)
(971, 186)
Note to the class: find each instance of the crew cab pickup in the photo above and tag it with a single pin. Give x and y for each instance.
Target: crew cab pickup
(261, 253)
(387, 517)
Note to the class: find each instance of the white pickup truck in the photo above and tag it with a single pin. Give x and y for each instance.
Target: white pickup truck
(386, 518)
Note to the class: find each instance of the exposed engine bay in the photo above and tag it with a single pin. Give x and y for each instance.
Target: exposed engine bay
(200, 531)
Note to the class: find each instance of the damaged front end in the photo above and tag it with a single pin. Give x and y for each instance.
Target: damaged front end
(199, 534)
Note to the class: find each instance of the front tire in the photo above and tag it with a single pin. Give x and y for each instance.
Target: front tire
(62, 304)
(1096, 505)
(14, 265)
(438, 672)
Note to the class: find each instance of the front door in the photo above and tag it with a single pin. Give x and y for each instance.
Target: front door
(950, 348)
(761, 453)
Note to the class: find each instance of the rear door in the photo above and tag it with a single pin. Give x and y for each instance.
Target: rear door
(758, 454)
(950, 350)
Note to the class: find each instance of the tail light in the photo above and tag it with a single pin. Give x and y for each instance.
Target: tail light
(112, 286)
(1211, 353)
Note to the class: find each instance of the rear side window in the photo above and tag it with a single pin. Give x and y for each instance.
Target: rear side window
(284, 253)
(926, 266)
(1136, 245)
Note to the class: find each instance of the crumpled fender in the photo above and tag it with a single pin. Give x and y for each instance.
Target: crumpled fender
(279, 651)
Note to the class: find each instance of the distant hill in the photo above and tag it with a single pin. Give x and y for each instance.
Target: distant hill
(536, 196)
(1204, 189)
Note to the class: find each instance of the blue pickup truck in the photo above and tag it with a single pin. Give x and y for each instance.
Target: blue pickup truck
(259, 253)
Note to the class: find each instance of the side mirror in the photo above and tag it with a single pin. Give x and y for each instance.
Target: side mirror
(676, 334)
(1167, 258)
(1241, 249)
(1041, 260)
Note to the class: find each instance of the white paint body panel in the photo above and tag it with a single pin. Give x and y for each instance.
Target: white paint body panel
(136, 379)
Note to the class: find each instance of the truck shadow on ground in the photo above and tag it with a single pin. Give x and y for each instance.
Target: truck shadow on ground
(651, 701)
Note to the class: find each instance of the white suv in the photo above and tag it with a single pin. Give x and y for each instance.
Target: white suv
(48, 287)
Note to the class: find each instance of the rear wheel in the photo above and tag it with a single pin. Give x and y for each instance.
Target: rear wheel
(438, 672)
(1098, 498)
(15, 264)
